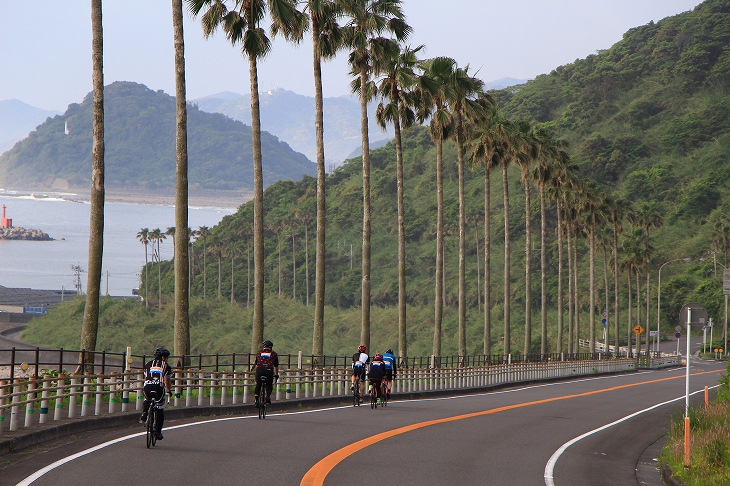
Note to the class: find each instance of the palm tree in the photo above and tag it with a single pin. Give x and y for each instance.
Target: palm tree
(242, 25)
(90, 324)
(326, 40)
(632, 259)
(144, 237)
(465, 89)
(366, 22)
(180, 246)
(550, 155)
(192, 235)
(156, 235)
(435, 94)
(170, 231)
(399, 78)
(204, 233)
(591, 200)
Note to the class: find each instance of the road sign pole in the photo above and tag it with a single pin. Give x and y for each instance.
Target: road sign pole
(686, 395)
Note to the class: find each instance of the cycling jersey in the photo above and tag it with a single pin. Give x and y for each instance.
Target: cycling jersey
(359, 363)
(267, 359)
(389, 361)
(377, 370)
(156, 371)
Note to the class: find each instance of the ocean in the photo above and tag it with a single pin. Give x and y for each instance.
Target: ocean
(49, 264)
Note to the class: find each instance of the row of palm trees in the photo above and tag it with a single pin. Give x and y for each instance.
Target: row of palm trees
(411, 90)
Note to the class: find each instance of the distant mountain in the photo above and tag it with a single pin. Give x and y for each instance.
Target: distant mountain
(290, 117)
(504, 83)
(140, 148)
(17, 120)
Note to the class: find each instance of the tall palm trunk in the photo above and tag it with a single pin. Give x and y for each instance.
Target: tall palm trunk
(365, 301)
(462, 237)
(320, 257)
(576, 304)
(569, 256)
(402, 296)
(638, 313)
(233, 280)
(543, 276)
(507, 290)
(306, 262)
(257, 333)
(90, 324)
(605, 284)
(628, 321)
(487, 261)
(528, 273)
(182, 262)
(439, 290)
(560, 278)
(592, 290)
(615, 287)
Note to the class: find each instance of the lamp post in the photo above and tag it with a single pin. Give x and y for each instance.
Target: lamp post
(659, 298)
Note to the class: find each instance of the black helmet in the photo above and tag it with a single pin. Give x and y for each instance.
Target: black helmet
(267, 344)
(389, 351)
(159, 352)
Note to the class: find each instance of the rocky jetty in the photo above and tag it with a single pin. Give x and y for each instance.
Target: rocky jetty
(17, 233)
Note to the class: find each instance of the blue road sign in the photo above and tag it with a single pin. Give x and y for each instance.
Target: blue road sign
(678, 335)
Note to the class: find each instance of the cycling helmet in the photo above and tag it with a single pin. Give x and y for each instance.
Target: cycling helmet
(378, 357)
(362, 348)
(267, 344)
(389, 351)
(159, 352)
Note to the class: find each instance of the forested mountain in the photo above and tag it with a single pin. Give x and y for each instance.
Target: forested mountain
(140, 148)
(290, 116)
(648, 120)
(17, 120)
(649, 117)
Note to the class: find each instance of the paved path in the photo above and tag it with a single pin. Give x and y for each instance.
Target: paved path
(515, 436)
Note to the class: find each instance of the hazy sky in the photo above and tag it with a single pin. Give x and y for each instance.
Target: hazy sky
(45, 58)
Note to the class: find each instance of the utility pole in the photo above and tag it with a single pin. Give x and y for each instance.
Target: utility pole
(77, 279)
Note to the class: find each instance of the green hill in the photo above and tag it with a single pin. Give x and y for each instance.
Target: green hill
(140, 148)
(648, 120)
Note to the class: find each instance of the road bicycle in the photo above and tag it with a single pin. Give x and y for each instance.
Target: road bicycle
(374, 399)
(151, 423)
(383, 393)
(356, 392)
(263, 398)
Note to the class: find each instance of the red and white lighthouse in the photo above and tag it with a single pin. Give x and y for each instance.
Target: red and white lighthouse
(6, 222)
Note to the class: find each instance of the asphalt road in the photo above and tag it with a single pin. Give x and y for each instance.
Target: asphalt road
(516, 436)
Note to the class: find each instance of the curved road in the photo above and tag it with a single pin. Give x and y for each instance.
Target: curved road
(518, 436)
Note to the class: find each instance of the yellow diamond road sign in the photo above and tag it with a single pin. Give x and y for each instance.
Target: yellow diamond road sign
(638, 329)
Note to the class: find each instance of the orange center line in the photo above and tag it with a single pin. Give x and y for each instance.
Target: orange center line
(317, 474)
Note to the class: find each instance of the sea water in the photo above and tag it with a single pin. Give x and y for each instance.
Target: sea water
(62, 263)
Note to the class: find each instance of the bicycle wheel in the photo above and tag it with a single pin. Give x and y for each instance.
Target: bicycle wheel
(384, 394)
(154, 425)
(263, 395)
(373, 398)
(150, 429)
(356, 393)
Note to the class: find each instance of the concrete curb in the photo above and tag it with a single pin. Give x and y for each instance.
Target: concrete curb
(668, 478)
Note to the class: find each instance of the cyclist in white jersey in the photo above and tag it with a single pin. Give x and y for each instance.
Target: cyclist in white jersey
(359, 366)
(156, 374)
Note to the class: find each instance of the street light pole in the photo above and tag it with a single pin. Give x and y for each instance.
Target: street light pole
(659, 298)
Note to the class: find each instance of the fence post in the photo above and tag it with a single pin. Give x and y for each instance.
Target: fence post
(43, 416)
(15, 409)
(287, 383)
(224, 383)
(201, 387)
(189, 389)
(113, 386)
(245, 387)
(72, 406)
(59, 399)
(140, 391)
(125, 390)
(86, 397)
(99, 394)
(213, 387)
(3, 385)
(234, 392)
(29, 407)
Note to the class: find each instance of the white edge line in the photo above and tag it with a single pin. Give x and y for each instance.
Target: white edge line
(550, 466)
(30, 479)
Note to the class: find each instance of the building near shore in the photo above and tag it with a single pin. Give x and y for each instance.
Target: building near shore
(31, 301)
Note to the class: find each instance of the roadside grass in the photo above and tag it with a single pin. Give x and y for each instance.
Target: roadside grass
(709, 443)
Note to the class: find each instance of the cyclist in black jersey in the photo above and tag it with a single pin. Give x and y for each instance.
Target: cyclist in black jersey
(267, 364)
(157, 374)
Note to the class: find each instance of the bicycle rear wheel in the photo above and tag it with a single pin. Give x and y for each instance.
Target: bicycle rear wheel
(373, 398)
(384, 395)
(356, 394)
(150, 429)
(154, 426)
(263, 396)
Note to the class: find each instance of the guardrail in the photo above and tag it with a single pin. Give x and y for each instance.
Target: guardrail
(32, 400)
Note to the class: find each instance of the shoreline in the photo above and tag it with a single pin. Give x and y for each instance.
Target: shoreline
(196, 198)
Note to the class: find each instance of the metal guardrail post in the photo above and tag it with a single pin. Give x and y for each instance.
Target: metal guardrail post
(201, 386)
(72, 406)
(224, 385)
(3, 387)
(113, 384)
(15, 409)
(189, 389)
(234, 391)
(86, 397)
(213, 387)
(246, 385)
(140, 391)
(30, 406)
(60, 388)
(99, 395)
(43, 415)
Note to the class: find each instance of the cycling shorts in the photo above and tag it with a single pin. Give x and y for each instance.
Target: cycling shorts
(359, 371)
(389, 375)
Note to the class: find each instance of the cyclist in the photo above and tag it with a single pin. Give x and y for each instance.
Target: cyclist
(376, 374)
(156, 374)
(267, 364)
(359, 362)
(390, 368)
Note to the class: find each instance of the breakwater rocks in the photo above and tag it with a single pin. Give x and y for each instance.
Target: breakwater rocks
(17, 233)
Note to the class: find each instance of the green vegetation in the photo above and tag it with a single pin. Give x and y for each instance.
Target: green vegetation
(140, 147)
(709, 444)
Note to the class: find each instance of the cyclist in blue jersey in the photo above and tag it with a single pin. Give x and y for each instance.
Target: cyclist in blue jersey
(390, 369)
(359, 365)
(156, 374)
